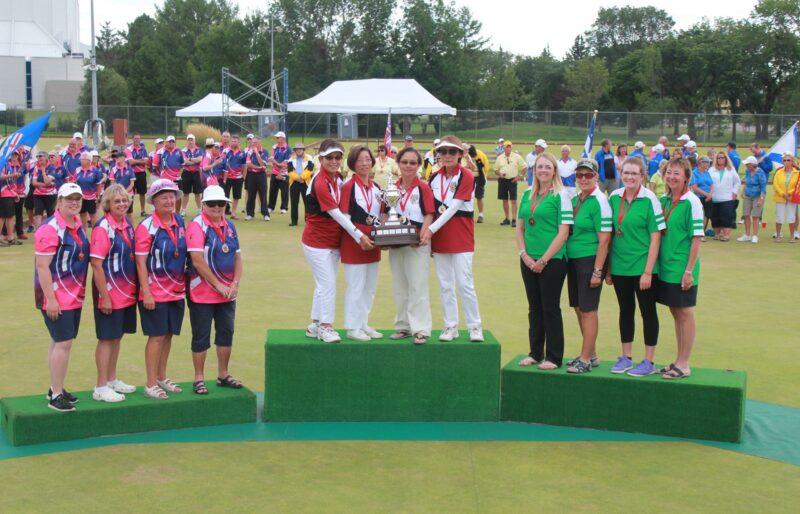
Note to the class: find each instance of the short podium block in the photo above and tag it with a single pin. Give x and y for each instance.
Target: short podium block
(707, 405)
(380, 380)
(27, 419)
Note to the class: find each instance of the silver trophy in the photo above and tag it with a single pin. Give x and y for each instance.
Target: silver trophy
(396, 231)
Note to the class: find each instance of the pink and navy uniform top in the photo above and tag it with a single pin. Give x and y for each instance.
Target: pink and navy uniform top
(8, 186)
(364, 205)
(219, 244)
(89, 180)
(165, 248)
(38, 174)
(171, 164)
(71, 161)
(131, 152)
(154, 162)
(252, 159)
(191, 153)
(123, 176)
(280, 154)
(236, 160)
(70, 251)
(114, 243)
(60, 174)
(214, 176)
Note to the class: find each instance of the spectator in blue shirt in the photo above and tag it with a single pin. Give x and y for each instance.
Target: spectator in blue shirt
(658, 156)
(762, 157)
(755, 190)
(736, 160)
(609, 176)
(638, 146)
(702, 185)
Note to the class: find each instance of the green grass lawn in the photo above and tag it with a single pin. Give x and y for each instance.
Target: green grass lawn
(745, 320)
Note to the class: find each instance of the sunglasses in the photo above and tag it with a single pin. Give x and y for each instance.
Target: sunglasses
(409, 163)
(449, 151)
(216, 203)
(333, 157)
(584, 175)
(787, 160)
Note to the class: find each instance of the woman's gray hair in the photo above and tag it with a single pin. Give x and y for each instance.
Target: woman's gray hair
(109, 193)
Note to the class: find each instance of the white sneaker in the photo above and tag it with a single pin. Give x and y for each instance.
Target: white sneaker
(266, 218)
(743, 237)
(328, 335)
(121, 387)
(371, 332)
(357, 335)
(312, 330)
(248, 218)
(284, 211)
(754, 239)
(448, 334)
(106, 394)
(797, 235)
(476, 334)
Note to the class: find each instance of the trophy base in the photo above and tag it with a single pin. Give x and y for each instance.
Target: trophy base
(395, 234)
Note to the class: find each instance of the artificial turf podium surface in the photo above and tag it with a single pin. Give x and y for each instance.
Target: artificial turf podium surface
(380, 380)
(707, 405)
(27, 419)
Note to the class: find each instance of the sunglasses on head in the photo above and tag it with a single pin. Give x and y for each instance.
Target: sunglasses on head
(448, 151)
(216, 203)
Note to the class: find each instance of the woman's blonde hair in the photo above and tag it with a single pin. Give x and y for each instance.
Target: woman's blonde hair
(109, 194)
(728, 163)
(558, 185)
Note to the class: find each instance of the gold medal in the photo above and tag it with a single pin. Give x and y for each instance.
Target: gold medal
(403, 220)
(442, 209)
(369, 220)
(225, 248)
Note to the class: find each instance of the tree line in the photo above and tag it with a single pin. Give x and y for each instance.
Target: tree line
(630, 59)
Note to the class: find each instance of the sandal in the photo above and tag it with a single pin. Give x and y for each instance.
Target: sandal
(420, 338)
(667, 369)
(199, 387)
(169, 385)
(400, 334)
(547, 365)
(528, 361)
(676, 373)
(155, 392)
(229, 381)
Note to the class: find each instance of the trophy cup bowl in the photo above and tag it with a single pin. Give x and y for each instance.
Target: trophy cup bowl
(395, 232)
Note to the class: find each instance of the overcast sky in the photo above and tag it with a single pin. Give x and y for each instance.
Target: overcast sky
(518, 26)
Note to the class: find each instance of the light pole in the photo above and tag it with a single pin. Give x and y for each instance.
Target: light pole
(273, 87)
(93, 67)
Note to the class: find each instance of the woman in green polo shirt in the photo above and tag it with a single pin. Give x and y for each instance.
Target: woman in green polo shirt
(587, 248)
(679, 261)
(544, 217)
(637, 220)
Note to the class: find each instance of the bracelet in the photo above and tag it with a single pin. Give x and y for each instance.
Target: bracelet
(687, 272)
(522, 253)
(544, 262)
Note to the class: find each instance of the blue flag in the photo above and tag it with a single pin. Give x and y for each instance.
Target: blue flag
(27, 136)
(587, 146)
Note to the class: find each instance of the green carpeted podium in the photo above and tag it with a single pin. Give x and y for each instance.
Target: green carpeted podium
(27, 419)
(380, 380)
(707, 405)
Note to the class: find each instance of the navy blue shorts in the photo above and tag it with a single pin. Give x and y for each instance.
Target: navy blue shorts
(201, 314)
(166, 318)
(113, 326)
(65, 328)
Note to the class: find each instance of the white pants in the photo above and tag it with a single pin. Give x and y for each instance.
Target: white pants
(785, 212)
(455, 270)
(323, 264)
(362, 280)
(410, 271)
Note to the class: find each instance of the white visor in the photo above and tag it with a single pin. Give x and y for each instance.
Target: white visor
(442, 144)
(331, 150)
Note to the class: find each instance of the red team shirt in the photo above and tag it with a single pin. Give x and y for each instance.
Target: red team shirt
(322, 231)
(360, 202)
(416, 203)
(458, 234)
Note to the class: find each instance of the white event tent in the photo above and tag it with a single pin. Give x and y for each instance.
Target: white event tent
(212, 105)
(374, 96)
(2, 106)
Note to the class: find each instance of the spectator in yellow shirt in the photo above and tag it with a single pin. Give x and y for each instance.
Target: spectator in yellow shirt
(301, 168)
(784, 186)
(508, 167)
(385, 169)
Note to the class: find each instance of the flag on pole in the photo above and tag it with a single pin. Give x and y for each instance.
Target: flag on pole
(26, 136)
(587, 146)
(387, 136)
(787, 143)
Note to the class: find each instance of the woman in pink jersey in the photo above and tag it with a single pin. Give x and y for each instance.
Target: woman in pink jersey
(43, 182)
(160, 267)
(62, 258)
(10, 198)
(322, 239)
(90, 181)
(215, 270)
(452, 236)
(361, 202)
(114, 291)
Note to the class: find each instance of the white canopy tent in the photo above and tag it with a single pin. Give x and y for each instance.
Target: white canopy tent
(374, 96)
(213, 105)
(2, 106)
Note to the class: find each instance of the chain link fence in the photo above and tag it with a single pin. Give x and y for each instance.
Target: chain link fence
(470, 125)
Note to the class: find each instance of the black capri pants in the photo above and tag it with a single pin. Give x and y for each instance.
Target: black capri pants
(628, 292)
(545, 325)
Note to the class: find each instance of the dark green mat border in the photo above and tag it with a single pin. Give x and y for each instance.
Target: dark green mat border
(770, 432)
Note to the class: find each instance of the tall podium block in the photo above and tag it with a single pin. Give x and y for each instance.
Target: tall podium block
(708, 405)
(380, 380)
(27, 419)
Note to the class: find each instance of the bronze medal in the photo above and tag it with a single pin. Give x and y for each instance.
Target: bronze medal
(80, 256)
(619, 232)
(177, 253)
(531, 221)
(225, 248)
(368, 220)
